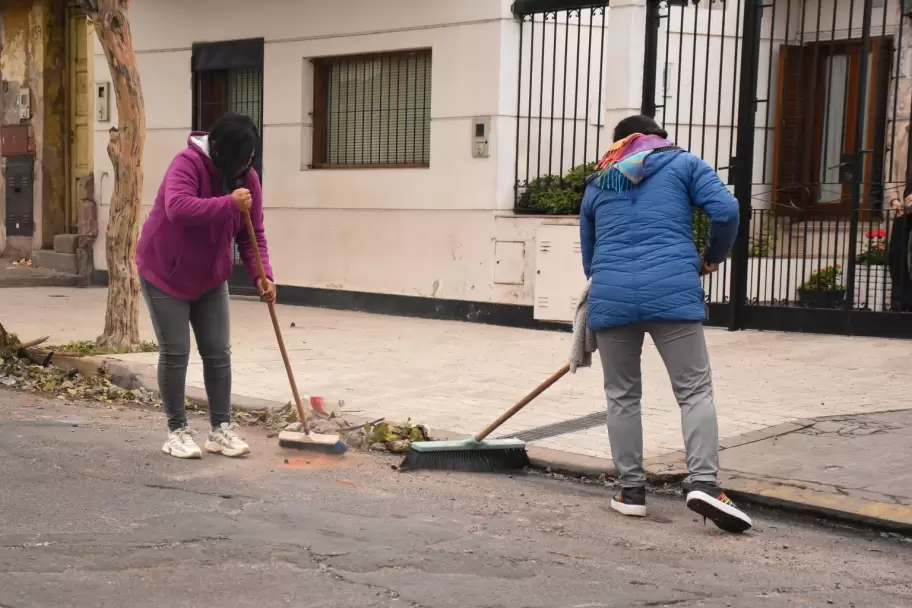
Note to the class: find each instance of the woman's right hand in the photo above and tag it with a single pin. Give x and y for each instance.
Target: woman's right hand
(242, 199)
(705, 268)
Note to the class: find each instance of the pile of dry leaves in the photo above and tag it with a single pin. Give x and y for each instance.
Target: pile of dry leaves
(65, 385)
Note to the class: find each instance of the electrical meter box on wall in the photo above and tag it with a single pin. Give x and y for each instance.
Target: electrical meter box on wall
(481, 134)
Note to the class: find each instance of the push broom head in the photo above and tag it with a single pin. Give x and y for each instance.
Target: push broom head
(312, 442)
(468, 455)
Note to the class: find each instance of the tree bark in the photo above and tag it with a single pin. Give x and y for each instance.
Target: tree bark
(125, 148)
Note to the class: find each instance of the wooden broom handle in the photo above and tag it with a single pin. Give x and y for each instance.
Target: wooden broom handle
(251, 233)
(541, 388)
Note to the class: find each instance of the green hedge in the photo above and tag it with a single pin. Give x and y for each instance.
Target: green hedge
(551, 195)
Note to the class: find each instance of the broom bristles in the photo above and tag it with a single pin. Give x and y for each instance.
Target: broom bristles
(336, 448)
(467, 461)
(314, 442)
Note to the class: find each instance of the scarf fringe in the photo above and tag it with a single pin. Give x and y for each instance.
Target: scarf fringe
(611, 178)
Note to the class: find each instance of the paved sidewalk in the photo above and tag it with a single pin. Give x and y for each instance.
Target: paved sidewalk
(458, 377)
(856, 467)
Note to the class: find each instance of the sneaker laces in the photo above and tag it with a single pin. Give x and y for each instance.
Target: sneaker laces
(229, 430)
(186, 435)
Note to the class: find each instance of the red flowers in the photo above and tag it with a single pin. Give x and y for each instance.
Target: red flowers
(874, 249)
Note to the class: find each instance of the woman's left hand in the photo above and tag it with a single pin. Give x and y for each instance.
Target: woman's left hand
(267, 290)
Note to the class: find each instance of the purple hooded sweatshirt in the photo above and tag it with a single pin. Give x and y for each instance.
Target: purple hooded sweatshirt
(185, 248)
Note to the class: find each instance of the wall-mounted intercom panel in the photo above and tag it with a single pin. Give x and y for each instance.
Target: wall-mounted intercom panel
(481, 137)
(25, 104)
(103, 101)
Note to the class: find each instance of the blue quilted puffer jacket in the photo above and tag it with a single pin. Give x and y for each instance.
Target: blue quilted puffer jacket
(638, 245)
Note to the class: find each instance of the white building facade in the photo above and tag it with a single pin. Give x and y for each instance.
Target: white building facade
(409, 209)
(400, 135)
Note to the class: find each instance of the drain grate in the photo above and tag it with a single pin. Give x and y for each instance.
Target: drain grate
(566, 427)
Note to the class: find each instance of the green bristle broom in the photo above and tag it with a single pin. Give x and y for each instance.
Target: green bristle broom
(476, 454)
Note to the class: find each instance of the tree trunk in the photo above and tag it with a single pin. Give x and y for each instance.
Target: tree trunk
(126, 151)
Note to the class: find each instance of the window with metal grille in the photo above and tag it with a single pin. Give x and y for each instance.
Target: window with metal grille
(221, 91)
(373, 110)
(228, 77)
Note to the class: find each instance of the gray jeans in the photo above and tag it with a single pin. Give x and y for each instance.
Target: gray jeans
(172, 319)
(682, 347)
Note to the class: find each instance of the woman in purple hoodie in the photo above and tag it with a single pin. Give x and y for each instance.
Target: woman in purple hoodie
(185, 257)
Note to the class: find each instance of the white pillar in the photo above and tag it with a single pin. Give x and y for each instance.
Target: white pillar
(625, 46)
(898, 125)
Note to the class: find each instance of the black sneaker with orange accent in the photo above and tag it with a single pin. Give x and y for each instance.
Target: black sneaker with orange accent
(712, 503)
(630, 501)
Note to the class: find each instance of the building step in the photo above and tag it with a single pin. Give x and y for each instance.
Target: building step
(66, 243)
(61, 262)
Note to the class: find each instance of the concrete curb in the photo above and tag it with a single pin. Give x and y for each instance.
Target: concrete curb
(827, 502)
(42, 281)
(818, 500)
(822, 501)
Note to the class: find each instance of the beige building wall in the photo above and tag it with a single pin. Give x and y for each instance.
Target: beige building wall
(418, 232)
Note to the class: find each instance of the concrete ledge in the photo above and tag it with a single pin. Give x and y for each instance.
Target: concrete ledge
(60, 262)
(66, 243)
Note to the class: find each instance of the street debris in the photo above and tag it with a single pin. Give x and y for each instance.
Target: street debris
(70, 385)
(376, 435)
(27, 368)
(64, 385)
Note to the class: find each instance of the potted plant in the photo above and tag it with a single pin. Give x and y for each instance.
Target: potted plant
(870, 278)
(823, 288)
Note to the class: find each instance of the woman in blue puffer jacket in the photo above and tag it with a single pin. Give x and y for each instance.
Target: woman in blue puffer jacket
(636, 232)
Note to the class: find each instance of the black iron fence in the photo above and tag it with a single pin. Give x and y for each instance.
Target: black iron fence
(560, 132)
(802, 107)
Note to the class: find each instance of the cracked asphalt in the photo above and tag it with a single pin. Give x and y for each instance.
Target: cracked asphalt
(93, 515)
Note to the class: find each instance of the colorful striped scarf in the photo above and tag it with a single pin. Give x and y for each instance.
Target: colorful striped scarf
(623, 164)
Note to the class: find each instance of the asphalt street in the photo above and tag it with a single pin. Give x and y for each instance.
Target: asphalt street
(92, 514)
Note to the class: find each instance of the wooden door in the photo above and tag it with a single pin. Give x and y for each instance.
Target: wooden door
(817, 116)
(79, 108)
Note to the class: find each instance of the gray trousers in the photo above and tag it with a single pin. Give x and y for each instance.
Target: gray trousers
(172, 320)
(682, 347)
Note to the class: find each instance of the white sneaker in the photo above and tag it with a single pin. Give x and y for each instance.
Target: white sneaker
(225, 441)
(181, 444)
